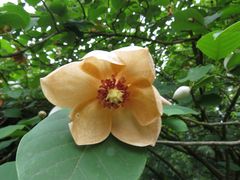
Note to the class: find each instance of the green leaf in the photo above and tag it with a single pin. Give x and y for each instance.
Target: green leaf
(33, 2)
(12, 113)
(116, 4)
(5, 47)
(9, 130)
(210, 100)
(15, 93)
(196, 73)
(58, 7)
(190, 19)
(48, 152)
(232, 61)
(14, 16)
(177, 110)
(7, 143)
(8, 171)
(219, 44)
(176, 124)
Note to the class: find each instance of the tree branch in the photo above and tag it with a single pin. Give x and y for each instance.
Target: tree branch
(200, 143)
(94, 34)
(167, 163)
(30, 46)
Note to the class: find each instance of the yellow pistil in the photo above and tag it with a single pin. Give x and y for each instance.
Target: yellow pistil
(114, 96)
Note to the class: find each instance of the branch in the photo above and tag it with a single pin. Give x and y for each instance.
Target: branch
(210, 124)
(231, 106)
(200, 143)
(167, 163)
(52, 16)
(94, 34)
(30, 46)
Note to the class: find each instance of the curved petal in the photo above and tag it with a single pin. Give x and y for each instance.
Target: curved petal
(90, 123)
(138, 61)
(69, 85)
(145, 104)
(101, 64)
(126, 128)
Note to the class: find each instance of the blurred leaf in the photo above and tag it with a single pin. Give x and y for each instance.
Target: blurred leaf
(177, 110)
(232, 61)
(33, 2)
(8, 171)
(6, 143)
(176, 124)
(196, 73)
(58, 7)
(5, 47)
(14, 93)
(50, 143)
(12, 113)
(30, 122)
(219, 44)
(9, 130)
(14, 16)
(190, 19)
(210, 100)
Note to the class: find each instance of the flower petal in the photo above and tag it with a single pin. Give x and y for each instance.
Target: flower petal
(127, 129)
(90, 124)
(101, 64)
(145, 104)
(69, 85)
(138, 61)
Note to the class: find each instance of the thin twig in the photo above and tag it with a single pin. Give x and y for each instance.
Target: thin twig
(94, 34)
(210, 124)
(167, 163)
(200, 143)
(83, 10)
(30, 46)
(52, 16)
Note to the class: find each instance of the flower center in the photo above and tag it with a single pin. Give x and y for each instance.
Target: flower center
(113, 93)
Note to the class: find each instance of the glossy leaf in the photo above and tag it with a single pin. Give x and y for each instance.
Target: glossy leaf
(219, 44)
(8, 171)
(177, 110)
(48, 152)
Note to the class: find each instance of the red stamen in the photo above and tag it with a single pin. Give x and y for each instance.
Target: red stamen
(109, 84)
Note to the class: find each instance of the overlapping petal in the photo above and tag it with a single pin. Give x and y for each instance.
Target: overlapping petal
(102, 64)
(138, 63)
(145, 104)
(90, 124)
(69, 85)
(126, 128)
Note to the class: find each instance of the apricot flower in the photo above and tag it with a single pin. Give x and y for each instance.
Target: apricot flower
(109, 92)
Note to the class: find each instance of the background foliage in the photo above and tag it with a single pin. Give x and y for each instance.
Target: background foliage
(193, 43)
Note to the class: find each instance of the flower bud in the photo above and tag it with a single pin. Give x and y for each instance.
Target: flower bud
(181, 92)
(42, 114)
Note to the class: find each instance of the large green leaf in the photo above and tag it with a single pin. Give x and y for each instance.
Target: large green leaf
(33, 2)
(219, 44)
(8, 171)
(196, 73)
(48, 152)
(8, 130)
(177, 110)
(14, 16)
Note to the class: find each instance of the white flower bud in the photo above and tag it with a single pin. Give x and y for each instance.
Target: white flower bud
(182, 92)
(42, 114)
